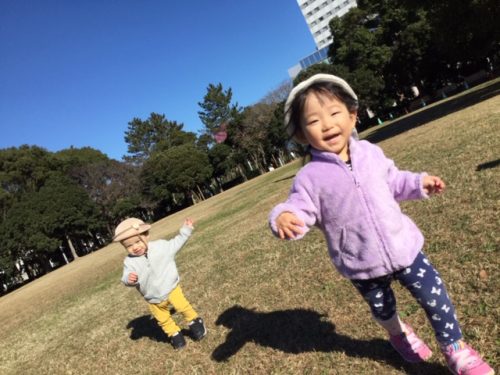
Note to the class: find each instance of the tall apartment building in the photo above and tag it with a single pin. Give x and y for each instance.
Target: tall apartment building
(317, 14)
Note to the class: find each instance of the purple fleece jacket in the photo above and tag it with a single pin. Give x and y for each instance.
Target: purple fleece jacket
(367, 234)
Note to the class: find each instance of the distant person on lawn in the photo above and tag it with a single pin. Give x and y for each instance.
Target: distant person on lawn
(150, 267)
(351, 190)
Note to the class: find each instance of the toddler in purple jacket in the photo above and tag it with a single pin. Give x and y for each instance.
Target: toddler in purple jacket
(350, 190)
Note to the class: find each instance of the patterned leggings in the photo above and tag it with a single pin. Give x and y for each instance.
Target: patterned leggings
(424, 283)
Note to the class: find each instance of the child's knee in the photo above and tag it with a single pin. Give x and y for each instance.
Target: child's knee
(383, 313)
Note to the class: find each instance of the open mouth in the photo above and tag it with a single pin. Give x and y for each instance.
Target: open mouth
(331, 137)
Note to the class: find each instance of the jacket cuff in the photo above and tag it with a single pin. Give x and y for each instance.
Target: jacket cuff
(277, 211)
(186, 231)
(423, 194)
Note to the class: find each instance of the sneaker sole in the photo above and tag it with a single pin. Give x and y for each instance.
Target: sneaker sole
(418, 360)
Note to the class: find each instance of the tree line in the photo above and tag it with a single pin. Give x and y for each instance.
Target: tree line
(57, 206)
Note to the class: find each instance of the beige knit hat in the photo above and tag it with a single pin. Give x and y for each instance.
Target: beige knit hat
(304, 85)
(130, 227)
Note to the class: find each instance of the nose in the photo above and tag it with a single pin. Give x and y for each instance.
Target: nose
(327, 123)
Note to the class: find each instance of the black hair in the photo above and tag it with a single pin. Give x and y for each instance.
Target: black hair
(327, 88)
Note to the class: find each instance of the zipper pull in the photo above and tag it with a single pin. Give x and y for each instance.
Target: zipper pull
(356, 182)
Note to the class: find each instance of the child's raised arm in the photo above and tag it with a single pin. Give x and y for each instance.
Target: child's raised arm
(178, 241)
(189, 223)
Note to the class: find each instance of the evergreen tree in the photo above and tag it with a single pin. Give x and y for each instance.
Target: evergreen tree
(155, 133)
(216, 108)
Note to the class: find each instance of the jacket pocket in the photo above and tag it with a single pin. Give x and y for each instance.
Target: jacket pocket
(359, 249)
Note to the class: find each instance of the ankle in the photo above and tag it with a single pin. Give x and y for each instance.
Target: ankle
(454, 346)
(394, 326)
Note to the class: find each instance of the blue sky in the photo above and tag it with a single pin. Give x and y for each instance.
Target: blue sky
(75, 72)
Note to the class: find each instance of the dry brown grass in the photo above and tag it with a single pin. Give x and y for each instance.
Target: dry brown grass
(274, 307)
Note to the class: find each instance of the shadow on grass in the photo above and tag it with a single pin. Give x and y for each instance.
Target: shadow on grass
(488, 165)
(285, 178)
(300, 330)
(432, 113)
(146, 326)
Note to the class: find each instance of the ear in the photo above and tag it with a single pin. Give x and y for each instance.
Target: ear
(353, 116)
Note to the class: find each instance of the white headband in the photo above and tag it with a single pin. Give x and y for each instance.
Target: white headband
(289, 126)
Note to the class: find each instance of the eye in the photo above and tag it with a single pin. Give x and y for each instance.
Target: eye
(311, 122)
(334, 113)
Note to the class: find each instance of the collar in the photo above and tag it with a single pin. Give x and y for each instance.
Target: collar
(318, 155)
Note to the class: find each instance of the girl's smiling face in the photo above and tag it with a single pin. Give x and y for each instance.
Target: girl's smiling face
(326, 123)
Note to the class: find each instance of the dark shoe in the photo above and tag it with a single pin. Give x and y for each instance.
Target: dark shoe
(177, 340)
(197, 329)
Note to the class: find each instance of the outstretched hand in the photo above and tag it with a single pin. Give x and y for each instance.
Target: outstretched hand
(189, 223)
(289, 225)
(433, 185)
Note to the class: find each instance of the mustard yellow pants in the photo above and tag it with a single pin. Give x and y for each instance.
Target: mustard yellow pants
(161, 311)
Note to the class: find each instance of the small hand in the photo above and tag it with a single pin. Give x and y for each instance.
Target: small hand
(189, 223)
(132, 278)
(433, 185)
(289, 225)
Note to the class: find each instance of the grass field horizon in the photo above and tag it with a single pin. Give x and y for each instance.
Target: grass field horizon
(276, 307)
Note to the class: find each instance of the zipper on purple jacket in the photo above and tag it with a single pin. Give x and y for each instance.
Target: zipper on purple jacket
(385, 258)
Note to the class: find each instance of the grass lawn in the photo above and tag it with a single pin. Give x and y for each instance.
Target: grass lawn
(276, 307)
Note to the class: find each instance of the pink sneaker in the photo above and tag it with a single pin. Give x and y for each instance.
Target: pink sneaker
(466, 361)
(410, 346)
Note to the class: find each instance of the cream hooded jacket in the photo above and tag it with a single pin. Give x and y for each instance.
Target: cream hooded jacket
(157, 271)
